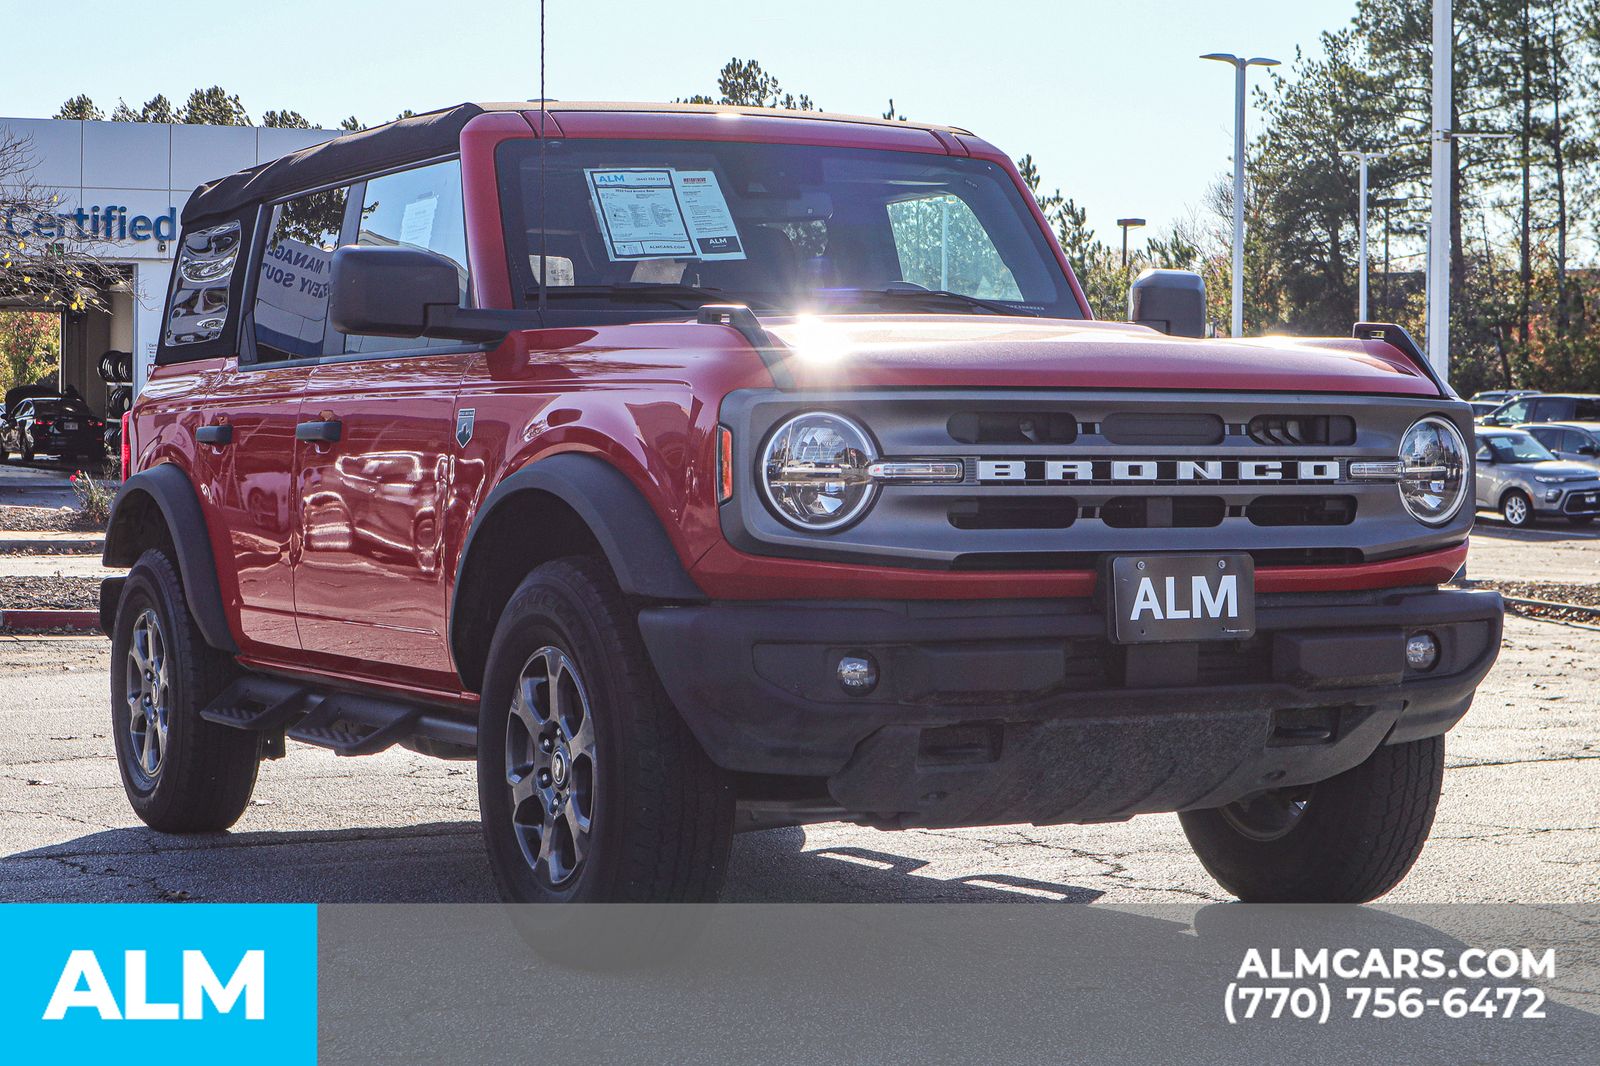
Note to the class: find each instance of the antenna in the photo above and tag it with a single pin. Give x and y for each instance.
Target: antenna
(544, 222)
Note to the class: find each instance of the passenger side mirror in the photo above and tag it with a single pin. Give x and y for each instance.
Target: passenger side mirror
(1172, 301)
(409, 292)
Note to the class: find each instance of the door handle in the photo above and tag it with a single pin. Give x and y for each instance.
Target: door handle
(319, 431)
(219, 435)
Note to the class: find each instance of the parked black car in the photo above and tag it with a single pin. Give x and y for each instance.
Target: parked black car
(38, 420)
(1541, 407)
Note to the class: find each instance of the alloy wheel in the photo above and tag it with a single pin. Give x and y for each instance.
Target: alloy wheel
(550, 767)
(1516, 510)
(1269, 816)
(149, 695)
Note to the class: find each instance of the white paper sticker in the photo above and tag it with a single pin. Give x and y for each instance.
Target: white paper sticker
(561, 270)
(660, 213)
(416, 223)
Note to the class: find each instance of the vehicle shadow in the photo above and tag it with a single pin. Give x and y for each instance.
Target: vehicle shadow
(443, 862)
(1492, 526)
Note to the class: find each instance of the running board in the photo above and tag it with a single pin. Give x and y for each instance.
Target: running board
(349, 723)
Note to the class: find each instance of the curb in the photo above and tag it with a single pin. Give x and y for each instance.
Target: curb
(28, 620)
(55, 545)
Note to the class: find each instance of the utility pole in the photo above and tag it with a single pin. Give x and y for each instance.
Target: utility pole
(1387, 203)
(1127, 224)
(1364, 158)
(1439, 232)
(1239, 65)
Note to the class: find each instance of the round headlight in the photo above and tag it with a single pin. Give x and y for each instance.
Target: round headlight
(815, 471)
(1433, 481)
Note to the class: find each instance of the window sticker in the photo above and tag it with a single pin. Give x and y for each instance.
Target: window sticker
(661, 213)
(561, 270)
(416, 222)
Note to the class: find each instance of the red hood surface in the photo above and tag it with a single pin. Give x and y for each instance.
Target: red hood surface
(880, 351)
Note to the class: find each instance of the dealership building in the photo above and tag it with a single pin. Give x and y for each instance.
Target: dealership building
(125, 183)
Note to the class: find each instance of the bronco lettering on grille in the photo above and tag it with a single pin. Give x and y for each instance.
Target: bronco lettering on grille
(1137, 471)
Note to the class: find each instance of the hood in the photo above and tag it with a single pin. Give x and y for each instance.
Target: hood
(882, 351)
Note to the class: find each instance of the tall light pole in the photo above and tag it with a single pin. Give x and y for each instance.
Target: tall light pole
(1364, 158)
(1388, 203)
(1127, 224)
(1239, 65)
(1439, 231)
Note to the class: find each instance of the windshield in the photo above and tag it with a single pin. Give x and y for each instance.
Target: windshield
(1517, 448)
(643, 225)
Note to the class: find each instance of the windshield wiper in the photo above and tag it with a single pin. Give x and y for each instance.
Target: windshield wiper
(916, 293)
(687, 296)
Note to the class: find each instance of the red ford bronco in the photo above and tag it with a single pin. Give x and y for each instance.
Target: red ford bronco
(702, 468)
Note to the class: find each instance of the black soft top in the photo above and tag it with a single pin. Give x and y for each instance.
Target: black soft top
(410, 140)
(392, 144)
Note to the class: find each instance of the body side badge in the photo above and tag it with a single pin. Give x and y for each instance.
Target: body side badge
(464, 422)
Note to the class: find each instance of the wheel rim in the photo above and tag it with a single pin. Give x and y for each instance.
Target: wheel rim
(149, 697)
(1516, 510)
(1269, 816)
(550, 767)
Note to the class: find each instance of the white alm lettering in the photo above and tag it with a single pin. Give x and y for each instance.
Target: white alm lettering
(1203, 603)
(200, 983)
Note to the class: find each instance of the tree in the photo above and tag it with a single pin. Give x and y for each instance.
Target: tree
(156, 109)
(30, 347)
(352, 124)
(82, 109)
(213, 107)
(285, 120)
(46, 258)
(743, 83)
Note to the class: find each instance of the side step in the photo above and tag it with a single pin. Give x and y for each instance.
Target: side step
(350, 723)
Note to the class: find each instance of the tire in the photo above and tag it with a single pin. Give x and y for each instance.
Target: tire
(659, 813)
(1581, 519)
(1349, 839)
(200, 776)
(25, 445)
(1517, 509)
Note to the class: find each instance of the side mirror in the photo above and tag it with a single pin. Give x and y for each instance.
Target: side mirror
(409, 292)
(1172, 301)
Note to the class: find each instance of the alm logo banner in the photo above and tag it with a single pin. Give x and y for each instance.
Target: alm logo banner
(232, 982)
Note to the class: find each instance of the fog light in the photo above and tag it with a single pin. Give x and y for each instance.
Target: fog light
(858, 674)
(1552, 495)
(1422, 651)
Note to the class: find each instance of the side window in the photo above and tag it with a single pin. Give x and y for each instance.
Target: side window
(1515, 412)
(1552, 410)
(291, 312)
(418, 208)
(1586, 411)
(942, 245)
(1484, 455)
(203, 272)
(1550, 438)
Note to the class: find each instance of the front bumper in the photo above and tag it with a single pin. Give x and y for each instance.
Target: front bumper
(990, 712)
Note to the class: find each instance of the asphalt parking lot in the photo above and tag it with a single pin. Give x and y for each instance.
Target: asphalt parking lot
(1520, 818)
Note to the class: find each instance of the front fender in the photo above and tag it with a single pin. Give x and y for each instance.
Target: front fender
(164, 491)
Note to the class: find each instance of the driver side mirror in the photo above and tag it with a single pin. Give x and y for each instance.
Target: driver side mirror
(1172, 301)
(409, 292)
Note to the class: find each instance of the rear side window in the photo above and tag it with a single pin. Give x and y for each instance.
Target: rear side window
(1586, 411)
(202, 277)
(291, 310)
(1554, 410)
(418, 208)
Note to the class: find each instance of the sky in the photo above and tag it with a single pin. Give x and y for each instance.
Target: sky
(1109, 97)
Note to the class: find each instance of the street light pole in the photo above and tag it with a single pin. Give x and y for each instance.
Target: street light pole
(1239, 65)
(1364, 158)
(1387, 203)
(1439, 233)
(1127, 224)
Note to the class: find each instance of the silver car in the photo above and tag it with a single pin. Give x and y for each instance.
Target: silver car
(1577, 441)
(1518, 477)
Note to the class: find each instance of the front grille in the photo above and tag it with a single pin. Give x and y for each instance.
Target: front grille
(1302, 430)
(1301, 510)
(1059, 479)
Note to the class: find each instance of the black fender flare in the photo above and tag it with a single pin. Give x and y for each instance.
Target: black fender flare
(622, 522)
(168, 488)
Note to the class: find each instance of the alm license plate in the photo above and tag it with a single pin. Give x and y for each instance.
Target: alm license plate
(69, 426)
(1159, 597)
